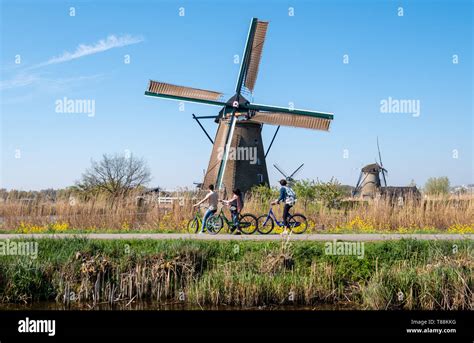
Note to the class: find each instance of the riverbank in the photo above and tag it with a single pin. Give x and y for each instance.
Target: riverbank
(404, 274)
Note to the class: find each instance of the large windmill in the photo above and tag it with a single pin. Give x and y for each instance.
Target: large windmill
(240, 121)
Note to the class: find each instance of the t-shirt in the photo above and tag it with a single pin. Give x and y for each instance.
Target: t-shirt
(237, 203)
(213, 200)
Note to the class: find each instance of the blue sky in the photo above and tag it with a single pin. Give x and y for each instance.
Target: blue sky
(403, 57)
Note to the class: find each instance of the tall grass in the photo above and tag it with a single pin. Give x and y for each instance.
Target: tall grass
(405, 274)
(129, 214)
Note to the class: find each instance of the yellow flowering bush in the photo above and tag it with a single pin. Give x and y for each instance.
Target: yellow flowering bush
(355, 225)
(59, 227)
(32, 228)
(461, 228)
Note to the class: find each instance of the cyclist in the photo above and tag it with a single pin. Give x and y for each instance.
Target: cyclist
(289, 197)
(235, 204)
(212, 198)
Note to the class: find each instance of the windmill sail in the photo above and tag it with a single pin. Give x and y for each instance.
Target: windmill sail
(281, 171)
(297, 170)
(255, 55)
(381, 164)
(295, 120)
(252, 55)
(290, 117)
(170, 91)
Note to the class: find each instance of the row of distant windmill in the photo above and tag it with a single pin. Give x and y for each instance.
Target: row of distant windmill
(240, 124)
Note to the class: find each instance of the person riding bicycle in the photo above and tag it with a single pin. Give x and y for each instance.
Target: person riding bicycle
(212, 198)
(288, 195)
(235, 204)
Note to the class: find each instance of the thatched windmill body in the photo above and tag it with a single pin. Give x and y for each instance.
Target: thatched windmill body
(369, 184)
(240, 121)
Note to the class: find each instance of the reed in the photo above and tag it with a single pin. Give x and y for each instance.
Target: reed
(453, 214)
(404, 274)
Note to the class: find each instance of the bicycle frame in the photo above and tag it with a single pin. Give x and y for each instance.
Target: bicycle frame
(272, 215)
(224, 217)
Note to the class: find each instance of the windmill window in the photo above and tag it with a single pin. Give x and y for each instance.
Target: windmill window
(260, 178)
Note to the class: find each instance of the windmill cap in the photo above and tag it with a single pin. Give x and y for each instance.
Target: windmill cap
(374, 167)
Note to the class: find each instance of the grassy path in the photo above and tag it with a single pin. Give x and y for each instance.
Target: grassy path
(228, 237)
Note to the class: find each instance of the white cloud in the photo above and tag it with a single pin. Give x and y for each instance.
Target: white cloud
(23, 78)
(82, 50)
(20, 80)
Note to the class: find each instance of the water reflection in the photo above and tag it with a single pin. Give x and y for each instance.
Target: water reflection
(176, 306)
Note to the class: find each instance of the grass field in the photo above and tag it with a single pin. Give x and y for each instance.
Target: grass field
(404, 274)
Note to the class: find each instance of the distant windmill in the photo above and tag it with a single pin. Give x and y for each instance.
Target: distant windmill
(289, 178)
(369, 184)
(240, 121)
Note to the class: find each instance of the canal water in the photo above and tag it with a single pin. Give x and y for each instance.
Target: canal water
(155, 306)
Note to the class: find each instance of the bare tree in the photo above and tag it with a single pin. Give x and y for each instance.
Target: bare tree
(115, 175)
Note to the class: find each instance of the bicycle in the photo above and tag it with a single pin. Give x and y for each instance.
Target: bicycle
(248, 223)
(297, 223)
(195, 224)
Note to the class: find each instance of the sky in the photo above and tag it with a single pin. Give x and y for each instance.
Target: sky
(343, 57)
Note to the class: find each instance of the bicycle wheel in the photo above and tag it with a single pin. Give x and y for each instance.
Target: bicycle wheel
(214, 224)
(248, 223)
(194, 225)
(264, 225)
(297, 223)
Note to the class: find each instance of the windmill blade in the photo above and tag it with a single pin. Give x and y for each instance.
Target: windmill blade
(297, 170)
(356, 189)
(384, 178)
(174, 92)
(381, 164)
(380, 155)
(252, 55)
(255, 55)
(309, 113)
(281, 171)
(294, 119)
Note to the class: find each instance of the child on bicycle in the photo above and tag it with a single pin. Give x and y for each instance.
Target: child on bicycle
(212, 198)
(235, 204)
(289, 197)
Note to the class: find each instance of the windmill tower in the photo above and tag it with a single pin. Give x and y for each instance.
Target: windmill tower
(369, 181)
(369, 184)
(240, 122)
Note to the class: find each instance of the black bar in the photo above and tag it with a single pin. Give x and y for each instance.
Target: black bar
(202, 127)
(131, 323)
(271, 143)
(206, 117)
